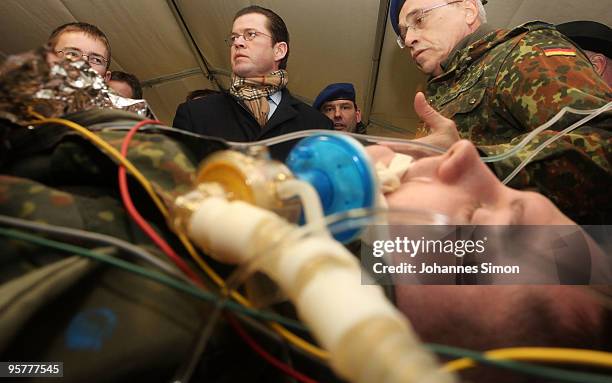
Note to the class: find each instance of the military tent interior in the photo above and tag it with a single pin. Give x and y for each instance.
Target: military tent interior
(176, 46)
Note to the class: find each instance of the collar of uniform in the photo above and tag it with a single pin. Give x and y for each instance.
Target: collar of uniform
(467, 41)
(492, 37)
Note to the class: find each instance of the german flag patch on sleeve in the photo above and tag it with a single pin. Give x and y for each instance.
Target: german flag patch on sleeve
(559, 52)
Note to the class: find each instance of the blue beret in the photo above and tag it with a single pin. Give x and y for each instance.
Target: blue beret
(394, 11)
(337, 91)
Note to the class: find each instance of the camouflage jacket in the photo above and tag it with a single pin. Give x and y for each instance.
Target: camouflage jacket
(49, 174)
(87, 315)
(499, 85)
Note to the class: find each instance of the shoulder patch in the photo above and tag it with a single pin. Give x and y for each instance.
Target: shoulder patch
(559, 52)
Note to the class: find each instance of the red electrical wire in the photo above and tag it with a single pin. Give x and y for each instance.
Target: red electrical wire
(135, 215)
(285, 368)
(163, 245)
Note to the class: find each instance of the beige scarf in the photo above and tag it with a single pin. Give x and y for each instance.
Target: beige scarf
(254, 91)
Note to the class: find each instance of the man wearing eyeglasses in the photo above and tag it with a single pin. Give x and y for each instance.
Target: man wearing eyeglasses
(75, 41)
(258, 105)
(498, 85)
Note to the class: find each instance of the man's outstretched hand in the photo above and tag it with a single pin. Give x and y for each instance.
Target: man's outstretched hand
(443, 130)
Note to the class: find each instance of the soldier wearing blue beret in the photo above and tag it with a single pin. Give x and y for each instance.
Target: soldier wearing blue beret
(595, 39)
(337, 102)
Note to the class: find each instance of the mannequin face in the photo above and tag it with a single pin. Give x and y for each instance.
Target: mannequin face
(459, 185)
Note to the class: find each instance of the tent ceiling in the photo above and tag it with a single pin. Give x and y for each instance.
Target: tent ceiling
(331, 41)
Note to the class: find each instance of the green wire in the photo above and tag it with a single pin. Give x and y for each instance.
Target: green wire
(557, 374)
(161, 278)
(527, 368)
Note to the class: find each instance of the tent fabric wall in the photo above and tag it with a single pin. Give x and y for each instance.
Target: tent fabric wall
(331, 41)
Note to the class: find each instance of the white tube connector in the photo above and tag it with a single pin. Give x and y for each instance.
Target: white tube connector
(369, 340)
(226, 230)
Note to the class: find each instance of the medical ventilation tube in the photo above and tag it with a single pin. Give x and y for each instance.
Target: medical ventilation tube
(327, 173)
(368, 339)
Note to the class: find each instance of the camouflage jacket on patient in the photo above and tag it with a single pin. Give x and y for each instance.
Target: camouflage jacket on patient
(499, 85)
(84, 313)
(54, 175)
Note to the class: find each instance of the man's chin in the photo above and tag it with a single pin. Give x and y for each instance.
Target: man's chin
(242, 70)
(425, 67)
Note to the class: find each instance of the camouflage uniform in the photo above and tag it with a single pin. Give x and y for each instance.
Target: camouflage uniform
(498, 85)
(360, 128)
(98, 320)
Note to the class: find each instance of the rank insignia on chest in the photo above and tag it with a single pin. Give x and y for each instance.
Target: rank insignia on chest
(559, 52)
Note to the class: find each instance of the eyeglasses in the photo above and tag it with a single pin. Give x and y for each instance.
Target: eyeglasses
(415, 20)
(77, 54)
(248, 35)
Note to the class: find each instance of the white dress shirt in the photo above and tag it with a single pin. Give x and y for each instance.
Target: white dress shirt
(274, 100)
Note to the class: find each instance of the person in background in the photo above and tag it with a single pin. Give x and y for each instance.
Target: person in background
(337, 102)
(125, 85)
(498, 85)
(595, 39)
(75, 41)
(258, 104)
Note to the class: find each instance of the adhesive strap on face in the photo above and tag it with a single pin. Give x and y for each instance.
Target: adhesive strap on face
(390, 176)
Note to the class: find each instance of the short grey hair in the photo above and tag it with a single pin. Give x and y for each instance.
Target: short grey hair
(482, 14)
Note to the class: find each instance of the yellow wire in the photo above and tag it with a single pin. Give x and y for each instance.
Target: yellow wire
(288, 335)
(539, 354)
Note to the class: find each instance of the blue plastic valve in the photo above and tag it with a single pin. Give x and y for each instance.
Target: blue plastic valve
(340, 171)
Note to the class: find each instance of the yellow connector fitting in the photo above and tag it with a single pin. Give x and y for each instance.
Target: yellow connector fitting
(251, 178)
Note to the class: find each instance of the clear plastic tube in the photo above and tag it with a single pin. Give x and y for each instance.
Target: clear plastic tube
(242, 146)
(590, 114)
(594, 113)
(419, 148)
(311, 204)
(359, 137)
